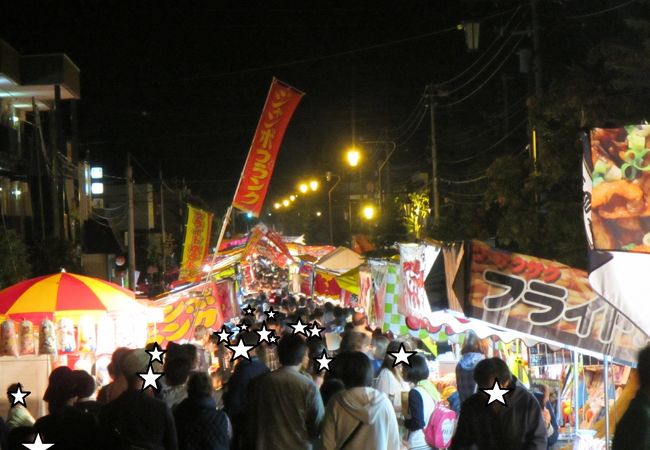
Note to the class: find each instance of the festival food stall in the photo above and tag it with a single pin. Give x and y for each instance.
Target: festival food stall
(65, 319)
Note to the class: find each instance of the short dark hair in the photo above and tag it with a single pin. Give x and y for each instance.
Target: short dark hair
(353, 341)
(354, 369)
(177, 371)
(84, 383)
(472, 344)
(417, 370)
(291, 350)
(643, 366)
(190, 352)
(489, 369)
(199, 385)
(12, 388)
(200, 332)
(114, 368)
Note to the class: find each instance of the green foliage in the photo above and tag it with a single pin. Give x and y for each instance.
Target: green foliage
(14, 259)
(415, 212)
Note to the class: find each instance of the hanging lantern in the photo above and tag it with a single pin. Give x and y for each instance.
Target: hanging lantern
(471, 35)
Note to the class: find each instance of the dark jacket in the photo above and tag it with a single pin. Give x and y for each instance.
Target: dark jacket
(517, 426)
(200, 426)
(465, 383)
(633, 431)
(552, 439)
(138, 419)
(234, 399)
(69, 429)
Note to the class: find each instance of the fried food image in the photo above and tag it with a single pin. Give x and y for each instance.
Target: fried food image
(620, 194)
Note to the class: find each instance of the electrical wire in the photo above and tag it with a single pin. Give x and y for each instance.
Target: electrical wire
(402, 141)
(602, 11)
(483, 54)
(487, 64)
(408, 121)
(471, 180)
(487, 149)
(447, 105)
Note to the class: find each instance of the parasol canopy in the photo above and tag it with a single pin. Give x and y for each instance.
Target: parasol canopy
(65, 295)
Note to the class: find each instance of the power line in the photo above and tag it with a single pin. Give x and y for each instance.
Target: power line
(471, 180)
(409, 120)
(487, 79)
(602, 11)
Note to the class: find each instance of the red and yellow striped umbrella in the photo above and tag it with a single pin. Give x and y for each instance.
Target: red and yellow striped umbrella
(65, 295)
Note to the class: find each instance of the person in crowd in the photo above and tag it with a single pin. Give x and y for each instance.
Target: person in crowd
(389, 380)
(352, 341)
(173, 386)
(360, 322)
(86, 388)
(633, 430)
(378, 346)
(268, 353)
(329, 389)
(201, 341)
(338, 323)
(471, 354)
(199, 424)
(360, 417)
(19, 436)
(315, 348)
(18, 415)
(293, 396)
(191, 352)
(328, 314)
(542, 394)
(235, 397)
(517, 426)
(113, 389)
(4, 434)
(67, 426)
(422, 400)
(136, 419)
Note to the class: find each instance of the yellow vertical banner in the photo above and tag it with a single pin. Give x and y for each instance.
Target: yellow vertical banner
(196, 244)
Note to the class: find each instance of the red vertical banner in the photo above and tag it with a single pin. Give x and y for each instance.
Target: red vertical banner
(280, 105)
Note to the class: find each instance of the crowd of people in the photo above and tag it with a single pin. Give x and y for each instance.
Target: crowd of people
(282, 398)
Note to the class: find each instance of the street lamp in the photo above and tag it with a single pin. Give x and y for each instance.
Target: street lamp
(313, 185)
(353, 156)
(285, 202)
(368, 212)
(303, 188)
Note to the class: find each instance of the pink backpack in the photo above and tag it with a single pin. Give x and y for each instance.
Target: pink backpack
(440, 428)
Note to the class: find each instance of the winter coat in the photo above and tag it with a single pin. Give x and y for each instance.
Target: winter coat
(517, 426)
(633, 430)
(201, 426)
(465, 383)
(365, 408)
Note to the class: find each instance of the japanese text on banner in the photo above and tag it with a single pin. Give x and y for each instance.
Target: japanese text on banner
(197, 242)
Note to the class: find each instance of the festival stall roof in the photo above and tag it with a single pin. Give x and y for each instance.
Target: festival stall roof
(340, 261)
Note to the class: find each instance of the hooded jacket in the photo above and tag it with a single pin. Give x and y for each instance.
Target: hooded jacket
(465, 374)
(366, 408)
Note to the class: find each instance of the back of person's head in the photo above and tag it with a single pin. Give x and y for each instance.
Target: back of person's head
(472, 344)
(328, 307)
(12, 388)
(379, 346)
(643, 367)
(315, 348)
(199, 332)
(191, 353)
(389, 360)
(85, 384)
(177, 371)
(291, 350)
(353, 341)
(249, 338)
(359, 318)
(330, 388)
(199, 385)
(61, 388)
(173, 350)
(114, 369)
(489, 369)
(354, 369)
(135, 362)
(338, 311)
(417, 370)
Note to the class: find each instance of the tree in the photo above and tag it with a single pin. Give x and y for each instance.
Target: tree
(415, 212)
(14, 259)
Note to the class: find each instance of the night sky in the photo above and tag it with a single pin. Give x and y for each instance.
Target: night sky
(182, 87)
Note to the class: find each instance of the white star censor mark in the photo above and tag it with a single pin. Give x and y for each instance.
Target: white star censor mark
(273, 339)
(150, 379)
(401, 356)
(270, 313)
(323, 362)
(264, 333)
(243, 327)
(38, 444)
(299, 327)
(249, 310)
(497, 393)
(19, 396)
(157, 353)
(315, 330)
(223, 336)
(240, 350)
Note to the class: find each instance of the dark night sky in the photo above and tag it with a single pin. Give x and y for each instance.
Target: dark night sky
(183, 86)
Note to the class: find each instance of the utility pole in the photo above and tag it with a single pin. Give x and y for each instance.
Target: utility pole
(434, 157)
(537, 56)
(162, 222)
(506, 111)
(38, 138)
(54, 141)
(131, 225)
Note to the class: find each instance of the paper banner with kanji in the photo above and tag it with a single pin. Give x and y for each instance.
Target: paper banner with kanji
(196, 244)
(378, 271)
(210, 306)
(366, 292)
(416, 260)
(547, 299)
(280, 105)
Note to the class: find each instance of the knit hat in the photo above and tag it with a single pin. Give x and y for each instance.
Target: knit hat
(136, 361)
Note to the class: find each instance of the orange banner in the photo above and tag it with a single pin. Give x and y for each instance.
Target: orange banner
(197, 243)
(280, 105)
